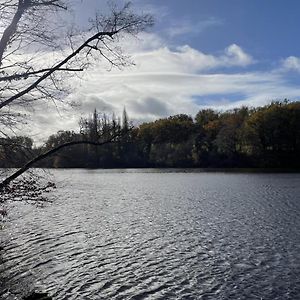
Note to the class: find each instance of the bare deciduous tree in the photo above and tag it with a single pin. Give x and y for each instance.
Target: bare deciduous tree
(39, 51)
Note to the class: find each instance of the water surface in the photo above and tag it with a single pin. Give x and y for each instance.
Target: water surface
(155, 234)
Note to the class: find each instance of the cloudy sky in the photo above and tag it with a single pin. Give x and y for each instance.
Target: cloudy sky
(200, 53)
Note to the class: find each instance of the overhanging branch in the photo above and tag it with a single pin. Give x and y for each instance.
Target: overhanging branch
(28, 165)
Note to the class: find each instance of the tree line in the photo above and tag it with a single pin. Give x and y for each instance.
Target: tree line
(264, 137)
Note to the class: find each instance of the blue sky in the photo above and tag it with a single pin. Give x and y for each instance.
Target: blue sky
(267, 29)
(200, 53)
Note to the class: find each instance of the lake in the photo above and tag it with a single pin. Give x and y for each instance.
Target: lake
(157, 234)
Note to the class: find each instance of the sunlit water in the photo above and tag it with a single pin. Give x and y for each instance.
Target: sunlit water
(157, 235)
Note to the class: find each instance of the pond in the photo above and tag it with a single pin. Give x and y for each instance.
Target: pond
(157, 234)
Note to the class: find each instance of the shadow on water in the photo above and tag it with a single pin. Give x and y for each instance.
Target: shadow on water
(21, 288)
(12, 287)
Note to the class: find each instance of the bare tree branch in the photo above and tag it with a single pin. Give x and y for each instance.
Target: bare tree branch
(25, 75)
(50, 152)
(55, 68)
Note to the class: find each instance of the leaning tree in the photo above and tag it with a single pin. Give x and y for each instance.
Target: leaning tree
(41, 50)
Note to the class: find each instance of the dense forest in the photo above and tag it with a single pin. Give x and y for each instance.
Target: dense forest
(264, 137)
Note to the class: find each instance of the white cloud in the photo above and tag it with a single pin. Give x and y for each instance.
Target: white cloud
(291, 63)
(190, 60)
(169, 81)
(175, 92)
(235, 54)
(184, 27)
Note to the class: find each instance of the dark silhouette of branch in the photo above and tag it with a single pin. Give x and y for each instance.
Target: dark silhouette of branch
(25, 75)
(58, 66)
(105, 28)
(40, 157)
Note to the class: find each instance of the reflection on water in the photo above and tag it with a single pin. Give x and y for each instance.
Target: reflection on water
(158, 235)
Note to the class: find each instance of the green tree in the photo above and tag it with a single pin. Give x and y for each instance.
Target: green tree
(272, 134)
(205, 116)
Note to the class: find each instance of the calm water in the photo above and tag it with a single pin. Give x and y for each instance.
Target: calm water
(157, 235)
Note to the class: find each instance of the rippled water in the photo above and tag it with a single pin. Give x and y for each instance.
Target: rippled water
(157, 235)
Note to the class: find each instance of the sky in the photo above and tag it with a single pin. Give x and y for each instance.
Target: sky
(200, 53)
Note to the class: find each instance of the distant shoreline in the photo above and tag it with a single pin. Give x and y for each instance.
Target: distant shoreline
(185, 169)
